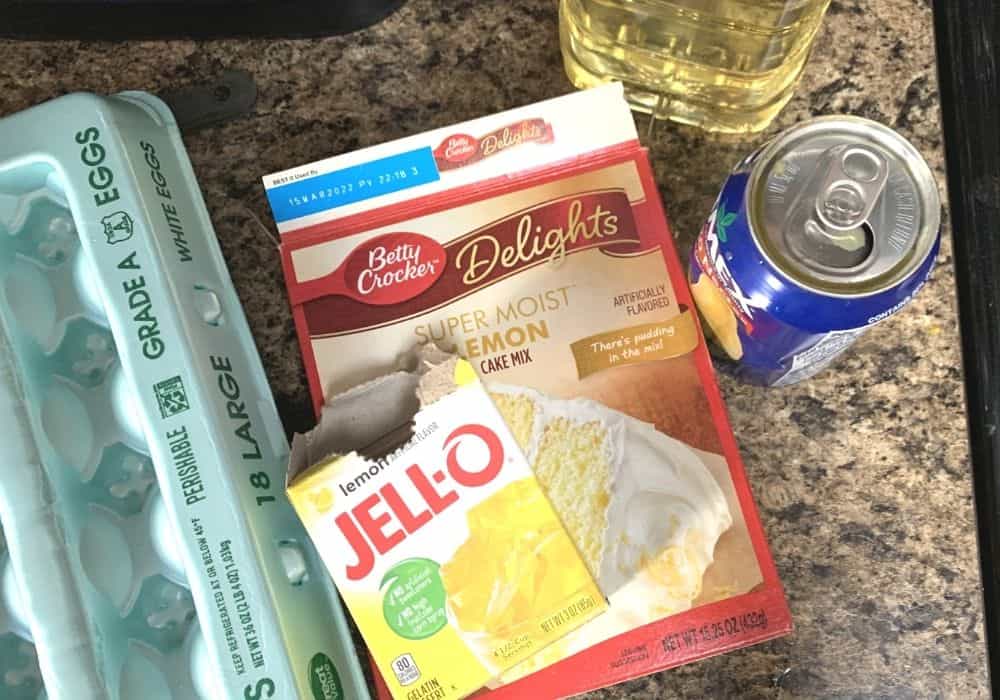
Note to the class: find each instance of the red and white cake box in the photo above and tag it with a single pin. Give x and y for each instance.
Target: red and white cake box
(534, 243)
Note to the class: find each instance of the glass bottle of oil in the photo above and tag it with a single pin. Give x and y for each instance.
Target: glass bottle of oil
(724, 65)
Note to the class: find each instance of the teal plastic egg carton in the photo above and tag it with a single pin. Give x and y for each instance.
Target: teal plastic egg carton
(150, 552)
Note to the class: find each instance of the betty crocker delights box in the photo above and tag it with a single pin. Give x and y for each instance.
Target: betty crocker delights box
(533, 244)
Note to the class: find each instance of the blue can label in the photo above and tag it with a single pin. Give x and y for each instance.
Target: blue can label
(773, 330)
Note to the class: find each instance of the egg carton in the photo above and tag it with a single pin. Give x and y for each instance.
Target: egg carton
(149, 549)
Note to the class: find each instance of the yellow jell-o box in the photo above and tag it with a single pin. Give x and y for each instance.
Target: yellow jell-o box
(439, 538)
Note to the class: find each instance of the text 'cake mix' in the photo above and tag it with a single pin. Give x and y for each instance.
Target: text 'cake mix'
(533, 243)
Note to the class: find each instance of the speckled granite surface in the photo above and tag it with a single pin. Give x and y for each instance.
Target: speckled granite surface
(861, 473)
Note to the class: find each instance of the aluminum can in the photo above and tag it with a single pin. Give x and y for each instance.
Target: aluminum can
(828, 229)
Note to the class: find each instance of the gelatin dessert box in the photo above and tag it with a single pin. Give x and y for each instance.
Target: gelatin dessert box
(533, 243)
(436, 531)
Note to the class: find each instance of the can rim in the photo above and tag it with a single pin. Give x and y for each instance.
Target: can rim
(916, 165)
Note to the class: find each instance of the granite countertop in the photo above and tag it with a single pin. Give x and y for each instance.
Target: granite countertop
(861, 474)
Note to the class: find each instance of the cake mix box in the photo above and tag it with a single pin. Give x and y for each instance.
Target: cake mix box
(533, 243)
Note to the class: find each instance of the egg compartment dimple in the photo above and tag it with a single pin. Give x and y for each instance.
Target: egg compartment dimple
(20, 677)
(106, 500)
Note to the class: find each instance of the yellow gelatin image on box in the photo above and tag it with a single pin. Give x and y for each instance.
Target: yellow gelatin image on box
(441, 542)
(503, 576)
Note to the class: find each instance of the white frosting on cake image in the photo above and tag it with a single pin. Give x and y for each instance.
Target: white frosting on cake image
(642, 507)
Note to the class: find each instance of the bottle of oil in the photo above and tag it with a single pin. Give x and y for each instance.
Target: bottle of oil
(724, 65)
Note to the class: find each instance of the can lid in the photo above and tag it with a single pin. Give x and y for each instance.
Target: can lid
(844, 205)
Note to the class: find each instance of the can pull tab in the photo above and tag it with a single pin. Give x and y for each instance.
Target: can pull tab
(833, 208)
(855, 178)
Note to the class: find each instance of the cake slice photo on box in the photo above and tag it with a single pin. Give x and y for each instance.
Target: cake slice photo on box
(642, 507)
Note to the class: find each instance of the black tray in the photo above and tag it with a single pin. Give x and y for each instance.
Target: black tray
(967, 32)
(195, 19)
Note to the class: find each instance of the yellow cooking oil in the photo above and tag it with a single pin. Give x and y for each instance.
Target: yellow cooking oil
(724, 65)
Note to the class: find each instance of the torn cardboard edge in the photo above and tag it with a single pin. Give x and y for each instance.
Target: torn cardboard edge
(375, 419)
